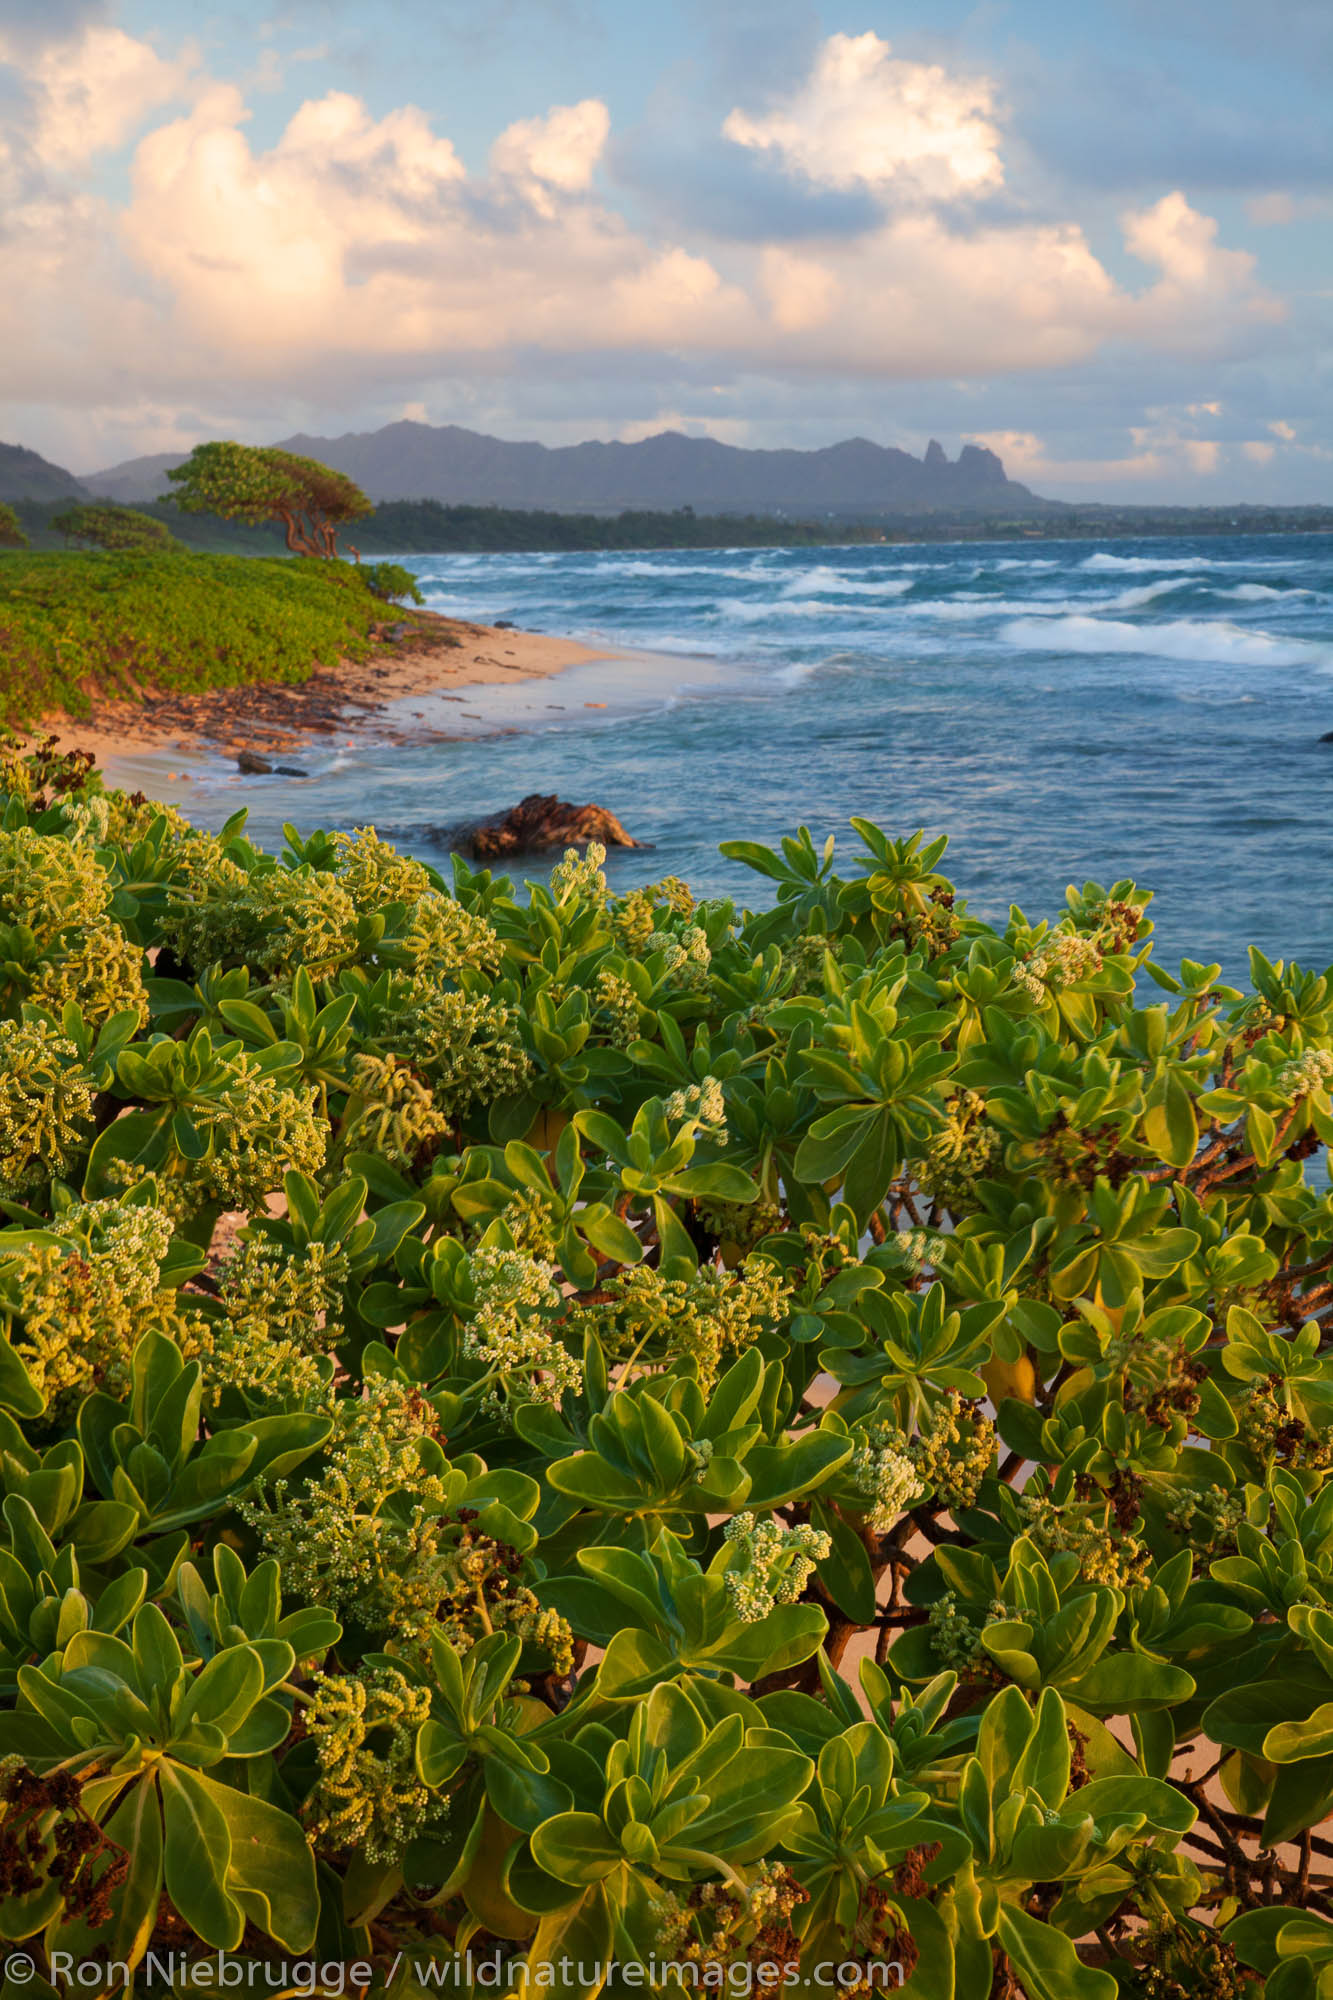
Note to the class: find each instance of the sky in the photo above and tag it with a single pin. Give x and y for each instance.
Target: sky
(1097, 237)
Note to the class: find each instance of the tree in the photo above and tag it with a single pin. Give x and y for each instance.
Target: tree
(122, 530)
(257, 483)
(11, 529)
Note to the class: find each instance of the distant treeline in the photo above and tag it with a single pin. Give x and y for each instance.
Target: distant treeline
(426, 527)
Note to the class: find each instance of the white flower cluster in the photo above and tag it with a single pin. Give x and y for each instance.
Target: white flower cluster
(47, 1100)
(89, 819)
(775, 1564)
(703, 1104)
(1305, 1073)
(1062, 960)
(579, 877)
(688, 956)
(915, 1246)
(886, 1476)
(83, 1306)
(509, 1336)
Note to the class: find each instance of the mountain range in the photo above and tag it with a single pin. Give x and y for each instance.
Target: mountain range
(26, 475)
(412, 461)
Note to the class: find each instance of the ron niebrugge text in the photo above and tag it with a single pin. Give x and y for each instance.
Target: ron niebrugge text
(465, 1969)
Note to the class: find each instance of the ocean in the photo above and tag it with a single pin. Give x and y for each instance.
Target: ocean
(1063, 711)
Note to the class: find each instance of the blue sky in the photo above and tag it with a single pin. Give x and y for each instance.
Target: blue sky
(1096, 237)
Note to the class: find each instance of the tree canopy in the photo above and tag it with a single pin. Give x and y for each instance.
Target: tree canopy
(256, 483)
(11, 530)
(120, 530)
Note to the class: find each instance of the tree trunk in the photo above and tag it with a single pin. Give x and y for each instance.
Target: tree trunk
(299, 544)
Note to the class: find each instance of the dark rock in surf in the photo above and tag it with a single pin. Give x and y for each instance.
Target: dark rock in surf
(536, 825)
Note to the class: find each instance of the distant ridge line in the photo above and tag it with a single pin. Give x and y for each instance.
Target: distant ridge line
(415, 461)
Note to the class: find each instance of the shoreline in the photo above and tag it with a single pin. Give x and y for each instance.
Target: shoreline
(430, 655)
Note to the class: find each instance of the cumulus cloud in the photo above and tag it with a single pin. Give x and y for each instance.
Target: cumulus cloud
(865, 117)
(1194, 269)
(356, 259)
(1168, 452)
(558, 153)
(358, 237)
(89, 95)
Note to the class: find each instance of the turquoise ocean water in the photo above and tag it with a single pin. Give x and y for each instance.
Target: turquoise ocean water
(1064, 711)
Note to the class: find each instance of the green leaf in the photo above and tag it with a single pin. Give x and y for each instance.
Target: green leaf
(198, 1856)
(845, 1571)
(272, 1868)
(575, 1847)
(1046, 1962)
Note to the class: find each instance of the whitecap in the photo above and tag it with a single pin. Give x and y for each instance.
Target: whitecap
(1104, 561)
(1147, 593)
(960, 608)
(841, 585)
(1174, 639)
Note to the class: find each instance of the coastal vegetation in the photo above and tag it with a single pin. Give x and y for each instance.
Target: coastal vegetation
(119, 530)
(77, 626)
(426, 527)
(255, 484)
(765, 1446)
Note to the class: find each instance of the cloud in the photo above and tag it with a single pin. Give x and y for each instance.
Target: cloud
(355, 238)
(555, 153)
(1199, 280)
(29, 25)
(865, 118)
(352, 261)
(1276, 210)
(89, 95)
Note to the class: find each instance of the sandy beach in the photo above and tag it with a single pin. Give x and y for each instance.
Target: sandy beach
(420, 653)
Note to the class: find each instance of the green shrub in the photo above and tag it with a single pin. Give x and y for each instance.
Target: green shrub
(120, 624)
(391, 580)
(795, 1439)
(120, 530)
(12, 535)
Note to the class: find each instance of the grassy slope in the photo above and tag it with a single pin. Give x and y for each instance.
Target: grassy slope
(77, 626)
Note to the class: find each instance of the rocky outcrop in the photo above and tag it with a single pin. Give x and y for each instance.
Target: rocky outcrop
(538, 824)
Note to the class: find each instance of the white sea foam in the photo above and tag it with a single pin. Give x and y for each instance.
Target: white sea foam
(822, 578)
(1104, 561)
(961, 608)
(746, 611)
(1174, 639)
(1148, 593)
(639, 566)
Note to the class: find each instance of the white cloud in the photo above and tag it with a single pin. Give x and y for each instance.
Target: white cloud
(1197, 277)
(357, 237)
(1166, 454)
(88, 96)
(356, 258)
(865, 117)
(559, 152)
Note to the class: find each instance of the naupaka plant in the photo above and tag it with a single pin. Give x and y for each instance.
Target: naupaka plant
(781, 1448)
